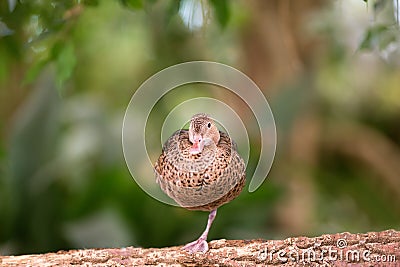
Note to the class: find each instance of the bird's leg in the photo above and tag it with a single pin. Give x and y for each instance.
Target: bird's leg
(200, 245)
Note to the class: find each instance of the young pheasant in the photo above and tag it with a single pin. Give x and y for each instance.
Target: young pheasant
(200, 169)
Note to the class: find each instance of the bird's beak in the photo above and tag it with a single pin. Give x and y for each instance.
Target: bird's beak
(198, 145)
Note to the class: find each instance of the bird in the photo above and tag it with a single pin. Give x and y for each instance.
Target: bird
(200, 169)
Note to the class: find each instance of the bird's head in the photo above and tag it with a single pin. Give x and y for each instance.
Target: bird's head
(202, 132)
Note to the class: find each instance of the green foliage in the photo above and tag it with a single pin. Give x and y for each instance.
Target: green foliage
(383, 32)
(36, 25)
(134, 4)
(93, 3)
(379, 37)
(221, 9)
(64, 56)
(63, 180)
(34, 71)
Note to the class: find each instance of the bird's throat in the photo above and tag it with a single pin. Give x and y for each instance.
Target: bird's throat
(197, 147)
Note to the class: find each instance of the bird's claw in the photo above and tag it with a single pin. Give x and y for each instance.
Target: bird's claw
(200, 245)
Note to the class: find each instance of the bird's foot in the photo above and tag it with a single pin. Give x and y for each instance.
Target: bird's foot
(200, 245)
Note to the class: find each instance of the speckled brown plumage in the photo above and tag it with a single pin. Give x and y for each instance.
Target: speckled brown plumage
(204, 181)
(200, 169)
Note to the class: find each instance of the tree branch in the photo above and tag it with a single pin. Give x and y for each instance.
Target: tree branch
(374, 248)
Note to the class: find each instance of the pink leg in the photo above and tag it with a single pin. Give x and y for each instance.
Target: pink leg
(200, 245)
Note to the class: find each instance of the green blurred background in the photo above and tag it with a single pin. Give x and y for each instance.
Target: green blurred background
(329, 69)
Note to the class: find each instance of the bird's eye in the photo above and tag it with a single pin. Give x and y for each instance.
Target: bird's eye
(209, 125)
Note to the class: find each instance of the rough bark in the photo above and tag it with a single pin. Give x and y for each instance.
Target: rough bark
(342, 249)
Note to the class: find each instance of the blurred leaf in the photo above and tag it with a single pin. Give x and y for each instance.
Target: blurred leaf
(173, 9)
(64, 55)
(11, 5)
(377, 36)
(91, 2)
(221, 10)
(56, 49)
(4, 30)
(133, 4)
(34, 71)
(368, 40)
